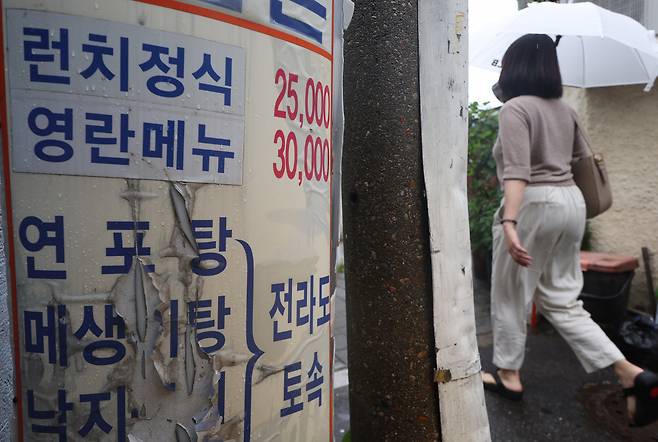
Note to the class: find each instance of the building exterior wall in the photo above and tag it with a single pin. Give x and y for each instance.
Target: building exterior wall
(651, 15)
(644, 11)
(622, 125)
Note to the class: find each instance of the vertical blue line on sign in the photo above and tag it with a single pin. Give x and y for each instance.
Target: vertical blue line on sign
(251, 342)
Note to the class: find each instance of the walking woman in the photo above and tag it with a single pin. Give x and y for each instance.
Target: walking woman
(539, 227)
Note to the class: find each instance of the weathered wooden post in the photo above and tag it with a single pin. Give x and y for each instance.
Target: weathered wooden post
(444, 121)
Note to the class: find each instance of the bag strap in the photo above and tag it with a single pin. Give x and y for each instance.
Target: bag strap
(578, 127)
(599, 163)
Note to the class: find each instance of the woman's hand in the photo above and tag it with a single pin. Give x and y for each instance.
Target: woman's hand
(514, 247)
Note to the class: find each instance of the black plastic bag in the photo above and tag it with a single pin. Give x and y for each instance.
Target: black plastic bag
(639, 341)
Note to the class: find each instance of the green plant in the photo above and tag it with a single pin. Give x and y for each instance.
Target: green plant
(586, 244)
(483, 189)
(347, 437)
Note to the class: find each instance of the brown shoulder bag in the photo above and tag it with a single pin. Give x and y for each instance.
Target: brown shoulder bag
(591, 177)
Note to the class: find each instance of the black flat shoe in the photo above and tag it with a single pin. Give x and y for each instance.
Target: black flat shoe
(500, 389)
(645, 391)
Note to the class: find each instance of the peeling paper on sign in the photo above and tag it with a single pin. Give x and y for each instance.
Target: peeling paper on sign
(183, 201)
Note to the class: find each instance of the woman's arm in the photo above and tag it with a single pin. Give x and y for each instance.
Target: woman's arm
(514, 190)
(514, 133)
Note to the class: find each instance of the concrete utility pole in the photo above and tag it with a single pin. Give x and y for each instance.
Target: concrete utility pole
(393, 396)
(413, 358)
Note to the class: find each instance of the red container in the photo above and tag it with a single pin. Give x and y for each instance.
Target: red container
(607, 262)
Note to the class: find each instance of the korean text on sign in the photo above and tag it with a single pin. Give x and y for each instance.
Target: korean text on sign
(138, 102)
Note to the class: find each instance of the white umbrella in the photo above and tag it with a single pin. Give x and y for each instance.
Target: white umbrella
(598, 47)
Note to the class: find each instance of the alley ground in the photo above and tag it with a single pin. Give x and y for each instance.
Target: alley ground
(561, 402)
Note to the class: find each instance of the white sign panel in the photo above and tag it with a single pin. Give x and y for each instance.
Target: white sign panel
(82, 135)
(79, 55)
(129, 76)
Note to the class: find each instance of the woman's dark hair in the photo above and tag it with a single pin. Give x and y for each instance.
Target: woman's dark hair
(530, 67)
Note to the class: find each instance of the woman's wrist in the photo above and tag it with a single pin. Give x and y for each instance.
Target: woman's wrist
(508, 228)
(510, 221)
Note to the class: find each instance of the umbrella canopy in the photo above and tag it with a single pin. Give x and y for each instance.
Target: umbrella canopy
(598, 47)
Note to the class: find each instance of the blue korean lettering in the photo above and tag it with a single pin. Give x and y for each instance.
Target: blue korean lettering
(282, 295)
(156, 142)
(306, 302)
(200, 317)
(173, 328)
(49, 234)
(97, 64)
(235, 5)
(290, 394)
(314, 386)
(92, 138)
(221, 396)
(96, 419)
(207, 68)
(207, 154)
(97, 53)
(324, 301)
(89, 325)
(313, 6)
(156, 83)
(127, 253)
(37, 331)
(63, 407)
(203, 231)
(55, 123)
(42, 50)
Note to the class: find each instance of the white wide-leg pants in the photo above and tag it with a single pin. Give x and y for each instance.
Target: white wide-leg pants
(551, 224)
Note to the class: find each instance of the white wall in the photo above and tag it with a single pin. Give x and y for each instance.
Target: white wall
(644, 11)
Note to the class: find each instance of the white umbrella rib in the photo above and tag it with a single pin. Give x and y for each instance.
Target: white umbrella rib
(646, 71)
